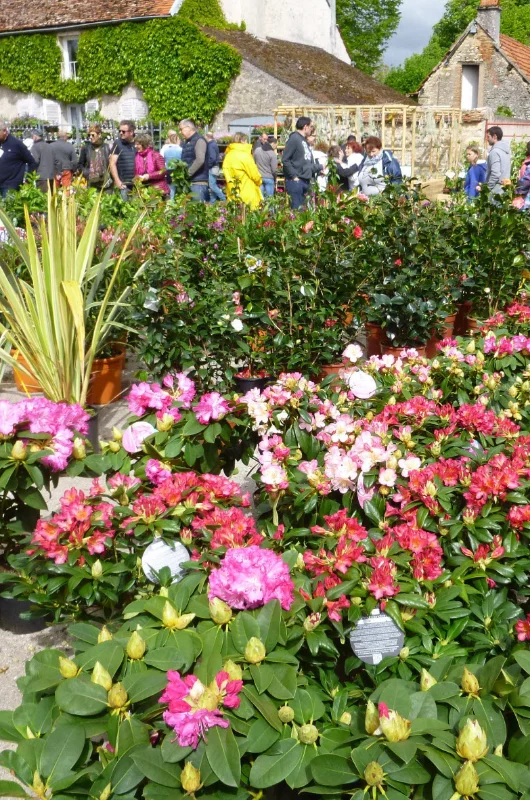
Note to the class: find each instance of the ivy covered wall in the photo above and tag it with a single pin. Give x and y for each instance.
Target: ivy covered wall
(181, 71)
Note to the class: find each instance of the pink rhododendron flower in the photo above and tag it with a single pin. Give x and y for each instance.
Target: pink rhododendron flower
(210, 407)
(522, 628)
(362, 385)
(10, 415)
(157, 472)
(183, 388)
(250, 577)
(62, 445)
(134, 435)
(353, 353)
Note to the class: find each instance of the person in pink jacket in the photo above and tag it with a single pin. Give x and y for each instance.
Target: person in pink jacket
(150, 166)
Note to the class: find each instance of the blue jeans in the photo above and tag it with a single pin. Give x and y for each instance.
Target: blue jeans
(216, 193)
(3, 192)
(267, 187)
(199, 193)
(297, 191)
(172, 191)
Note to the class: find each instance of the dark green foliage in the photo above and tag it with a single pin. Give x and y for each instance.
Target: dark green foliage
(158, 56)
(366, 26)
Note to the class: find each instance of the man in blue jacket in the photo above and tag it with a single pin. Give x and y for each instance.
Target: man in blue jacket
(299, 166)
(15, 160)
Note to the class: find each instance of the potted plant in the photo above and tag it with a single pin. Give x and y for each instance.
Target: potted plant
(46, 317)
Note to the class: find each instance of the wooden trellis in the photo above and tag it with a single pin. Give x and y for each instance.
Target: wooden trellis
(427, 141)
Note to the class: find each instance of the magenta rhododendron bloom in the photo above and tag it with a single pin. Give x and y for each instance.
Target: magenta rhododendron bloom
(250, 577)
(148, 396)
(157, 472)
(193, 708)
(210, 407)
(183, 388)
(522, 628)
(10, 416)
(135, 434)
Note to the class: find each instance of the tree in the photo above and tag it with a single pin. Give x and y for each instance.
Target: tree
(515, 22)
(366, 26)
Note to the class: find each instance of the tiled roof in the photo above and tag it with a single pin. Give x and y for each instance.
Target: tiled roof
(489, 3)
(313, 72)
(517, 52)
(18, 15)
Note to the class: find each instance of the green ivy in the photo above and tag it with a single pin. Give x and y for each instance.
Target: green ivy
(182, 72)
(205, 13)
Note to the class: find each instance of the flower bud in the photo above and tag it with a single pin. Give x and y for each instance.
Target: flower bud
(345, 718)
(220, 612)
(79, 449)
(169, 616)
(165, 423)
(469, 683)
(308, 734)
(371, 718)
(436, 448)
(67, 667)
(472, 743)
(373, 774)
(117, 435)
(117, 697)
(190, 778)
(395, 727)
(101, 676)
(426, 680)
(29, 733)
(135, 646)
(114, 447)
(163, 592)
(106, 793)
(255, 651)
(471, 347)
(312, 621)
(498, 751)
(404, 653)
(38, 786)
(186, 536)
(104, 635)
(286, 714)
(234, 670)
(19, 451)
(466, 780)
(97, 570)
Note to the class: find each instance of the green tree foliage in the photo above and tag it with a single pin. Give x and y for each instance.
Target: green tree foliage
(204, 13)
(366, 26)
(182, 72)
(515, 22)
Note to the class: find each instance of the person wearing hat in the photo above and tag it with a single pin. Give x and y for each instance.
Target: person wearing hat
(44, 157)
(15, 158)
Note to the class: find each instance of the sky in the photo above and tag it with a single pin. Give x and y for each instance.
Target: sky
(417, 19)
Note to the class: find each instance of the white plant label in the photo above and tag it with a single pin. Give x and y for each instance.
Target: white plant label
(160, 554)
(376, 637)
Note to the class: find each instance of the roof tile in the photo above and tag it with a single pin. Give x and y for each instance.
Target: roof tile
(18, 15)
(517, 52)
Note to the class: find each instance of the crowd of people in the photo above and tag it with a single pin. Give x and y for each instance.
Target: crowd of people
(250, 171)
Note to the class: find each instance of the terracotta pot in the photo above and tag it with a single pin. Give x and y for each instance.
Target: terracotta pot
(449, 326)
(331, 369)
(447, 332)
(105, 381)
(374, 338)
(388, 350)
(23, 382)
(460, 326)
(472, 325)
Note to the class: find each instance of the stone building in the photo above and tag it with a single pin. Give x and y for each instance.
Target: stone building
(484, 68)
(306, 62)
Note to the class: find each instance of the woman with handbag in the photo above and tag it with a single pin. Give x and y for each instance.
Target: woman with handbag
(94, 160)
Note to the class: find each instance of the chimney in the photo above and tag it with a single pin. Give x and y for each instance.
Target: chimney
(489, 18)
(333, 29)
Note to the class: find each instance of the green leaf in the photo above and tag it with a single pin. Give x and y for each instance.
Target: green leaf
(262, 675)
(81, 697)
(150, 762)
(223, 755)
(130, 733)
(192, 427)
(301, 774)
(109, 654)
(126, 776)
(142, 685)
(283, 684)
(412, 774)
(523, 659)
(403, 750)
(269, 619)
(274, 766)
(166, 658)
(11, 789)
(307, 706)
(244, 628)
(265, 707)
(260, 737)
(61, 751)
(422, 705)
(333, 770)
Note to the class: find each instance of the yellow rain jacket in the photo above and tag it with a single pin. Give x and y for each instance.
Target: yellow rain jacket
(241, 173)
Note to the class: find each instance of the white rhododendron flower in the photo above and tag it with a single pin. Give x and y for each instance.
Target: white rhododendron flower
(362, 385)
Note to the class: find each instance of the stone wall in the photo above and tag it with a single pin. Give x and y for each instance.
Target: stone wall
(255, 93)
(308, 22)
(500, 84)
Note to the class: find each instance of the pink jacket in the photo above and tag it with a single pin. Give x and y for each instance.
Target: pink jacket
(152, 163)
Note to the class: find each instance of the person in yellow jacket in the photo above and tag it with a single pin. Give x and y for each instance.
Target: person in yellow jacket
(242, 177)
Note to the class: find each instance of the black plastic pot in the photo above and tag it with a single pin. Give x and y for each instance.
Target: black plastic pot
(10, 611)
(244, 385)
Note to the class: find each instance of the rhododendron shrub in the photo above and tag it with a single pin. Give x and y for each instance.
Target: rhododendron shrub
(39, 441)
(177, 428)
(89, 550)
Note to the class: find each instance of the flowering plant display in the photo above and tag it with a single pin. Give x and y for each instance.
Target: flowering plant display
(39, 440)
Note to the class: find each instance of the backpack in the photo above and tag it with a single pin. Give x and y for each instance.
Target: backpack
(391, 167)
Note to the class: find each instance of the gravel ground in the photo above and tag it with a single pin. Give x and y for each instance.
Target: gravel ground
(16, 646)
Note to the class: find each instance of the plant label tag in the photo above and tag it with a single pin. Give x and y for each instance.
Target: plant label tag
(160, 554)
(376, 637)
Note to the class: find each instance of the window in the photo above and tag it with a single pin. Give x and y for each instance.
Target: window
(69, 46)
(470, 78)
(76, 116)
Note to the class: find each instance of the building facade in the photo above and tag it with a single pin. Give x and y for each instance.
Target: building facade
(483, 69)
